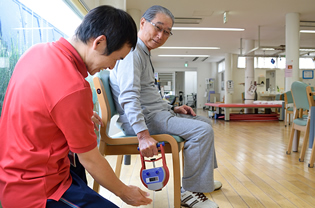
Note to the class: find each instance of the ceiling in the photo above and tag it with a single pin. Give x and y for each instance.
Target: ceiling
(266, 16)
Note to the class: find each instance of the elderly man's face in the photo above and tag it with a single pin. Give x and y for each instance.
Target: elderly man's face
(155, 33)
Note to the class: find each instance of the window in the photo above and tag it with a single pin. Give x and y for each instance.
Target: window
(241, 62)
(221, 66)
(24, 23)
(279, 63)
(307, 63)
(266, 62)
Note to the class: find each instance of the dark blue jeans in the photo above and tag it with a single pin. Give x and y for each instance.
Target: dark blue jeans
(80, 195)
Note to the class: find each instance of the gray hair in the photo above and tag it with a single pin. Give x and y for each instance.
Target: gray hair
(152, 11)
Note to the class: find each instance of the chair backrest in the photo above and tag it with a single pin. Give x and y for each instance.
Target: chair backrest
(279, 97)
(105, 99)
(288, 97)
(300, 95)
(104, 77)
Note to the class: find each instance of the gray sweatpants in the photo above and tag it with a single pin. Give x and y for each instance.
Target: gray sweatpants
(199, 152)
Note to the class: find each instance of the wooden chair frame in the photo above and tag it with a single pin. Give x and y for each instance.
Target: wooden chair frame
(298, 113)
(312, 158)
(287, 112)
(127, 145)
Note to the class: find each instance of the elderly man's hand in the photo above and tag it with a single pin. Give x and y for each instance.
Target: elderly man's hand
(147, 145)
(184, 109)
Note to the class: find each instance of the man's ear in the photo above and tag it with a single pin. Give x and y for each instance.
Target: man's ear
(142, 21)
(100, 43)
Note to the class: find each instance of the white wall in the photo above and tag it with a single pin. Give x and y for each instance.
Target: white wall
(203, 69)
(209, 70)
(190, 82)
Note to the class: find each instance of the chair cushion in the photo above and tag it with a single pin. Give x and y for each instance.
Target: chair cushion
(178, 138)
(290, 109)
(121, 134)
(300, 121)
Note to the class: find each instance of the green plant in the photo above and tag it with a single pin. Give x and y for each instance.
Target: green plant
(9, 56)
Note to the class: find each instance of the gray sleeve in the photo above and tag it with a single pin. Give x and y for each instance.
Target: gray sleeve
(128, 75)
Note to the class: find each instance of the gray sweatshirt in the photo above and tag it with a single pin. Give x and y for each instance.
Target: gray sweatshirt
(133, 88)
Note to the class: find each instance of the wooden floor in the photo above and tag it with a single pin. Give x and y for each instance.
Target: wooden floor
(253, 168)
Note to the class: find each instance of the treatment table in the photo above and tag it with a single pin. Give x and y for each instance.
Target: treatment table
(228, 106)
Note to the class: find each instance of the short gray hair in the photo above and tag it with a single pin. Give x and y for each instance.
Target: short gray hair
(152, 11)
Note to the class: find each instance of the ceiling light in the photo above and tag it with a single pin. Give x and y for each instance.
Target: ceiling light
(307, 49)
(197, 48)
(187, 20)
(307, 31)
(208, 28)
(268, 49)
(184, 55)
(225, 17)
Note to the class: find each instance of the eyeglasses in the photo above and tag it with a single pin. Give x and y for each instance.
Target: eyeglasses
(160, 29)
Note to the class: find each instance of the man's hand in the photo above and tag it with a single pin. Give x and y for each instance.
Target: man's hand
(135, 196)
(184, 109)
(102, 172)
(147, 145)
(96, 119)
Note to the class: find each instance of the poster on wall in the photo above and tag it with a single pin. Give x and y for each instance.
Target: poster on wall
(252, 88)
(288, 69)
(230, 86)
(308, 74)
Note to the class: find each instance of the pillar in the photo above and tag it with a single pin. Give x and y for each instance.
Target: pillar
(228, 77)
(136, 15)
(119, 4)
(249, 74)
(292, 46)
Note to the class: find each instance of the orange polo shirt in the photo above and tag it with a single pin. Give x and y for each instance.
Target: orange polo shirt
(47, 111)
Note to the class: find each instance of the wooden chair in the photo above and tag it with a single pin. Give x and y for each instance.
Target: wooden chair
(303, 100)
(127, 145)
(288, 100)
(312, 158)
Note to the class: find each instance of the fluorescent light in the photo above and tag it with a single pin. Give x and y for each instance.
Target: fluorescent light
(184, 55)
(192, 48)
(207, 28)
(307, 31)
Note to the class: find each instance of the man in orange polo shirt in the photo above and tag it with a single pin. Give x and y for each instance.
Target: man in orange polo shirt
(47, 112)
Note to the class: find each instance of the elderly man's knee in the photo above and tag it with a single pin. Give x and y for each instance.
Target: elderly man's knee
(207, 129)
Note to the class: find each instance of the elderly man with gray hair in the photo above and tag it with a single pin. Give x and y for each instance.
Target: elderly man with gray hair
(142, 111)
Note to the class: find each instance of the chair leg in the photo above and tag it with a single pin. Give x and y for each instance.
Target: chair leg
(96, 186)
(312, 158)
(118, 165)
(304, 146)
(290, 141)
(182, 152)
(285, 119)
(177, 178)
(298, 133)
